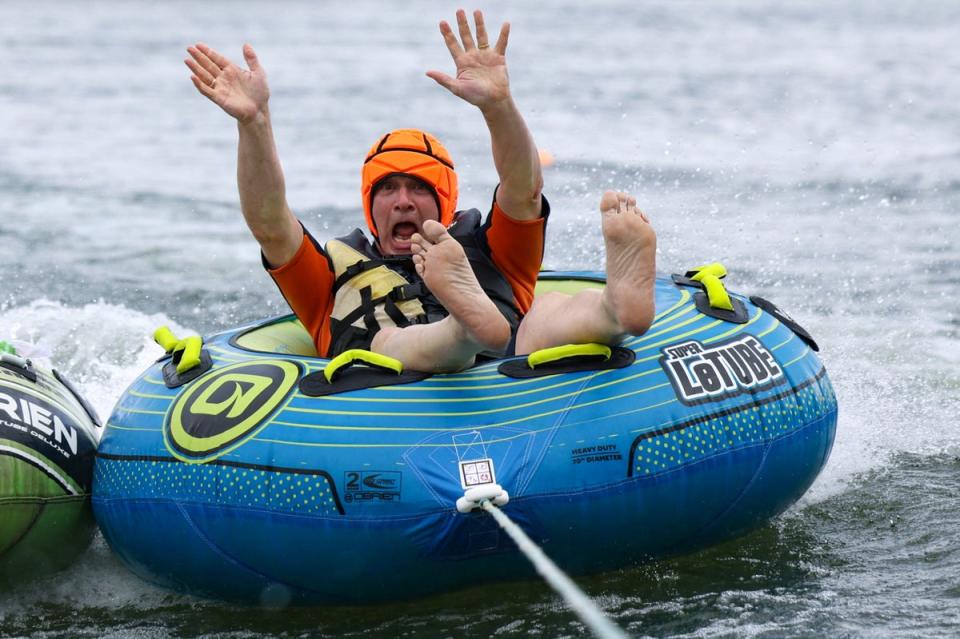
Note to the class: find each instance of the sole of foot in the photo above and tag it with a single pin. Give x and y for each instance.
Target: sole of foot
(443, 265)
(631, 245)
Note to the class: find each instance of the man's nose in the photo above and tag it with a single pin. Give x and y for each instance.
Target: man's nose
(403, 201)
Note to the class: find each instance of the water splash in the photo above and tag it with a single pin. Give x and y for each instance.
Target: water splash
(101, 347)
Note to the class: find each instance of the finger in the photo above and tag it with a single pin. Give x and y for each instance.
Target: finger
(453, 46)
(199, 71)
(631, 202)
(442, 79)
(201, 87)
(204, 61)
(253, 62)
(217, 58)
(482, 40)
(464, 27)
(501, 46)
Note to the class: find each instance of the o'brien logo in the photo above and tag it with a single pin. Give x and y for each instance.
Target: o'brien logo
(706, 374)
(20, 413)
(223, 408)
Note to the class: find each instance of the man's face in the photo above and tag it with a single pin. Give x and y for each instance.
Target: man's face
(400, 206)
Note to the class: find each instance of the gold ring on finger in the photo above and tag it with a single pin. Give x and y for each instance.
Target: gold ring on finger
(483, 46)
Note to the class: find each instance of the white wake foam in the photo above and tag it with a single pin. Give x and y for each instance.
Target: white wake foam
(100, 347)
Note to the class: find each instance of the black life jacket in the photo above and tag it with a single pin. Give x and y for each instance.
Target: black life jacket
(372, 291)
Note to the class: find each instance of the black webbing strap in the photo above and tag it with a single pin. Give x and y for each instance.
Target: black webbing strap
(395, 313)
(353, 270)
(405, 292)
(368, 306)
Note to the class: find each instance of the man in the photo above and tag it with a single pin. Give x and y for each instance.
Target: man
(354, 294)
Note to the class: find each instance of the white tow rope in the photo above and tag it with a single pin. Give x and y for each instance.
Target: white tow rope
(488, 498)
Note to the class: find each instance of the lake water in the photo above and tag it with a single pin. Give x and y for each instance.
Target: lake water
(814, 148)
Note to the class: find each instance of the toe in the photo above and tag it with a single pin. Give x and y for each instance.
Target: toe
(608, 201)
(418, 243)
(435, 231)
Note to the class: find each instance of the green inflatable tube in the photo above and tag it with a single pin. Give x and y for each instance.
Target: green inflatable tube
(48, 437)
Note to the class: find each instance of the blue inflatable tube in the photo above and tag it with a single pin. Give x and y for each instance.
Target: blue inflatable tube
(251, 477)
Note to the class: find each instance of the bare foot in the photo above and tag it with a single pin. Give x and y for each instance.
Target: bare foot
(631, 262)
(441, 262)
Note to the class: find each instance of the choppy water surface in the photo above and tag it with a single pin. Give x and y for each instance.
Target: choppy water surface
(812, 148)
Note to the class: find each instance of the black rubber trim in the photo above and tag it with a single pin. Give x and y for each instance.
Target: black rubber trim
(356, 378)
(87, 408)
(721, 413)
(24, 371)
(173, 379)
(619, 358)
(738, 315)
(564, 277)
(233, 464)
(786, 320)
(234, 339)
(683, 280)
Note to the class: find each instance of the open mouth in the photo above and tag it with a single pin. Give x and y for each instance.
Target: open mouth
(403, 231)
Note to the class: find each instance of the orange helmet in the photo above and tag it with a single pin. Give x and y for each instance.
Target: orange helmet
(415, 153)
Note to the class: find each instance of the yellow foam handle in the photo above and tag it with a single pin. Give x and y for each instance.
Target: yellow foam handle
(547, 355)
(191, 347)
(191, 352)
(347, 359)
(713, 268)
(165, 338)
(709, 275)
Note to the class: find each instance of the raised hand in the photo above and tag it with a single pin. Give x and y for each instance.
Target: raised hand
(481, 76)
(240, 92)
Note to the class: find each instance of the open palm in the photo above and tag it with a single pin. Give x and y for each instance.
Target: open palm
(242, 93)
(481, 69)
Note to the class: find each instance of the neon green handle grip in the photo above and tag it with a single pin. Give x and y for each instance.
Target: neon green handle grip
(547, 355)
(347, 359)
(191, 353)
(165, 338)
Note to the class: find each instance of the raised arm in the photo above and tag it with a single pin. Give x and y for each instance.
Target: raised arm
(243, 94)
(482, 81)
